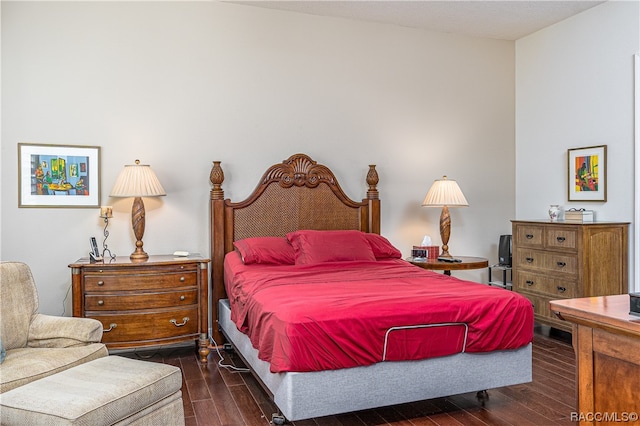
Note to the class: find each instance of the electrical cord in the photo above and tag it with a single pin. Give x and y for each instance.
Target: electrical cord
(64, 302)
(230, 367)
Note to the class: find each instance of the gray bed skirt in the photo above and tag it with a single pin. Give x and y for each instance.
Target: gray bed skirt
(316, 394)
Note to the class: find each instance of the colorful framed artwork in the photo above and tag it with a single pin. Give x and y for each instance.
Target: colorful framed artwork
(588, 173)
(58, 175)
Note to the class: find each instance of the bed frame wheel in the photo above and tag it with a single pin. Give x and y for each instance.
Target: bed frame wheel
(483, 396)
(278, 419)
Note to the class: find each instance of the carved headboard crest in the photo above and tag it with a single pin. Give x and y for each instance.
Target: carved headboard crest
(299, 170)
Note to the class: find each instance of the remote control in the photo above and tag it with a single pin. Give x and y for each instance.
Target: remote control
(449, 259)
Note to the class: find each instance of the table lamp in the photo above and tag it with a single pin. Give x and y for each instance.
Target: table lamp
(445, 193)
(137, 180)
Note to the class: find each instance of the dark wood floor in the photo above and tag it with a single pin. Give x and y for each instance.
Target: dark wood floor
(215, 396)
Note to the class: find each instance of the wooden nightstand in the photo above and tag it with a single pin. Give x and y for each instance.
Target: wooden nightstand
(159, 302)
(467, 262)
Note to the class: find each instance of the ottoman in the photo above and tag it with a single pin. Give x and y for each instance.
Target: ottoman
(112, 390)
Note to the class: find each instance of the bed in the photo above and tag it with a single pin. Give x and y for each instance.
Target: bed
(300, 201)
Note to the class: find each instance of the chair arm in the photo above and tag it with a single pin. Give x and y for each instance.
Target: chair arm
(46, 331)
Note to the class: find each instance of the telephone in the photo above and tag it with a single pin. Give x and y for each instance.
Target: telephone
(94, 254)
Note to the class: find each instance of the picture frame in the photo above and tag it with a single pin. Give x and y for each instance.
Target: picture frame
(587, 173)
(58, 175)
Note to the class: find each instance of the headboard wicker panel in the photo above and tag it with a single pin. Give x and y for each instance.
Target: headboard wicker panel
(295, 194)
(291, 209)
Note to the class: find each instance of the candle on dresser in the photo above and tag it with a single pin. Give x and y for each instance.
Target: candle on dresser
(106, 211)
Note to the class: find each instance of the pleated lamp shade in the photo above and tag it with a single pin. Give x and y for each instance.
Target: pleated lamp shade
(445, 192)
(137, 180)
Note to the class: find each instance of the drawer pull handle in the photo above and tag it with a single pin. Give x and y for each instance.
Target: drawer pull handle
(182, 297)
(111, 327)
(561, 264)
(529, 236)
(181, 279)
(100, 283)
(100, 302)
(529, 282)
(560, 239)
(184, 321)
(562, 289)
(529, 259)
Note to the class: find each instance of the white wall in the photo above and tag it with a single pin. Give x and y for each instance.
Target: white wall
(178, 85)
(574, 88)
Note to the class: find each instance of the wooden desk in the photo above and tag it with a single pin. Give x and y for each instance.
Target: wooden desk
(606, 339)
(468, 262)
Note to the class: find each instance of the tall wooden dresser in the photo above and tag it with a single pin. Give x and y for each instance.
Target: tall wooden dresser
(562, 260)
(161, 301)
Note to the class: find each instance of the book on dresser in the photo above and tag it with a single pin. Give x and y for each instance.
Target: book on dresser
(161, 301)
(564, 260)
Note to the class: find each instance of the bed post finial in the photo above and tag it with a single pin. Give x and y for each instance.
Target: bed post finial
(216, 177)
(372, 180)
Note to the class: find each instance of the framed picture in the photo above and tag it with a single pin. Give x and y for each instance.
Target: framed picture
(588, 173)
(58, 175)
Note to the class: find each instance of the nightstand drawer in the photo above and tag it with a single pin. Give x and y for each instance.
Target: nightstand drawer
(151, 300)
(151, 281)
(546, 261)
(530, 282)
(150, 326)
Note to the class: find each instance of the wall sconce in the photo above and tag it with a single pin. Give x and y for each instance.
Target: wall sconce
(137, 180)
(445, 193)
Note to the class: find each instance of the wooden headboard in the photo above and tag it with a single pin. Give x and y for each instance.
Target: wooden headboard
(296, 194)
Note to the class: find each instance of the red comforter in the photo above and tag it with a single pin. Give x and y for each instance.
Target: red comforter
(347, 314)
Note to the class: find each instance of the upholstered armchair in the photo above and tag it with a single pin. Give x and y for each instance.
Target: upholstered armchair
(39, 345)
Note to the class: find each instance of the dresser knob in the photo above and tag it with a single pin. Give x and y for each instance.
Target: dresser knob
(181, 279)
(561, 239)
(529, 236)
(182, 297)
(529, 282)
(529, 259)
(561, 264)
(100, 283)
(562, 289)
(111, 327)
(184, 321)
(100, 302)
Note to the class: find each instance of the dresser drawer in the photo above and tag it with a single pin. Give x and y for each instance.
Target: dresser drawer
(530, 282)
(546, 261)
(561, 238)
(134, 301)
(542, 312)
(149, 281)
(148, 326)
(529, 236)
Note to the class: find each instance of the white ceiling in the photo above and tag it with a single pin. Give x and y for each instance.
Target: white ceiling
(504, 20)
